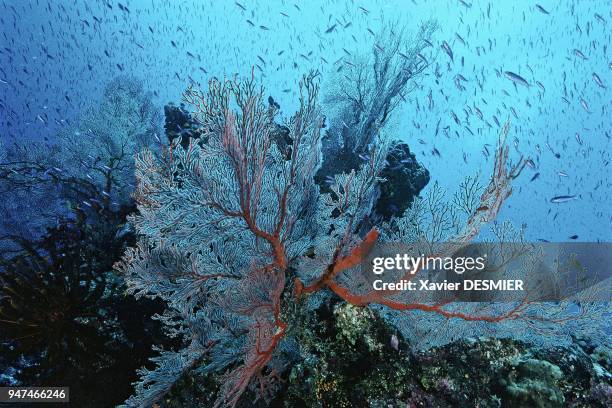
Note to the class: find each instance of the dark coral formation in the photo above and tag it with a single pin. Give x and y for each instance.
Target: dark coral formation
(350, 358)
(405, 176)
(63, 314)
(179, 123)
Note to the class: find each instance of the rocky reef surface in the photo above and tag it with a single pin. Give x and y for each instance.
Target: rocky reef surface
(351, 357)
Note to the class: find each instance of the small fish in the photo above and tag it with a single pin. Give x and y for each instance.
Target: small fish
(542, 9)
(394, 342)
(123, 8)
(584, 105)
(447, 49)
(461, 40)
(516, 78)
(455, 118)
(598, 81)
(563, 199)
(600, 19)
(241, 6)
(330, 29)
(562, 174)
(574, 237)
(535, 176)
(579, 54)
(578, 138)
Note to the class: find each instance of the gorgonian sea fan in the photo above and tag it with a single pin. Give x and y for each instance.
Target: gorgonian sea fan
(232, 226)
(220, 222)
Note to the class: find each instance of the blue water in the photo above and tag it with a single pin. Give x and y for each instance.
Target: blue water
(56, 58)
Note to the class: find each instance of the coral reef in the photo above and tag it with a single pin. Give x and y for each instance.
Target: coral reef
(349, 361)
(88, 165)
(405, 178)
(235, 234)
(533, 383)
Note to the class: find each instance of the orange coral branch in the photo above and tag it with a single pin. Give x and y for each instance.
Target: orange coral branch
(495, 194)
(353, 259)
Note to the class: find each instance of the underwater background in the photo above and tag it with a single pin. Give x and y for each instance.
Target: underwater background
(67, 67)
(57, 57)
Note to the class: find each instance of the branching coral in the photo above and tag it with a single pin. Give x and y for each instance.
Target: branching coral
(368, 91)
(89, 163)
(223, 220)
(232, 229)
(361, 98)
(498, 190)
